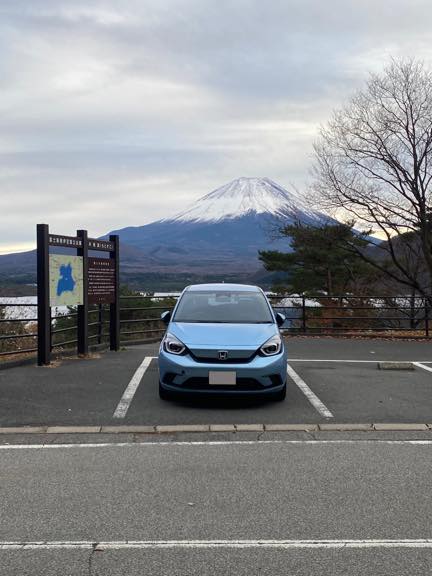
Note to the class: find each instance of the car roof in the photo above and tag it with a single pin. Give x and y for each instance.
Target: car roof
(222, 287)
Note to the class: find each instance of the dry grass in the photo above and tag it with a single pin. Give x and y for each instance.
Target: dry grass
(10, 357)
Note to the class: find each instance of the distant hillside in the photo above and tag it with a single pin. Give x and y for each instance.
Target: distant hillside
(219, 236)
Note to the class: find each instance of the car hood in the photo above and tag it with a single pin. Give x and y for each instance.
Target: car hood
(223, 335)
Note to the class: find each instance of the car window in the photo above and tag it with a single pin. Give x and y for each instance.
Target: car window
(224, 307)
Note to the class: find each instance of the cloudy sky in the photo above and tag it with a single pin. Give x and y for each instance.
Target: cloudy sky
(118, 113)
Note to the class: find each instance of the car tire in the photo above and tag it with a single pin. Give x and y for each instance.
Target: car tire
(280, 395)
(164, 394)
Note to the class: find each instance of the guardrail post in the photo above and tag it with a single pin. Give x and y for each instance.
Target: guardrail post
(115, 306)
(304, 314)
(43, 296)
(426, 318)
(82, 318)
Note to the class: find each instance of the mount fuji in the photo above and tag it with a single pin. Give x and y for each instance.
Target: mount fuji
(246, 196)
(222, 231)
(217, 237)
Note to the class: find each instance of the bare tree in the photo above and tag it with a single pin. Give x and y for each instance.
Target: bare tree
(373, 161)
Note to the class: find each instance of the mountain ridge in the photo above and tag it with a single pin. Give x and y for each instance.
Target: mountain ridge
(224, 229)
(243, 196)
(220, 233)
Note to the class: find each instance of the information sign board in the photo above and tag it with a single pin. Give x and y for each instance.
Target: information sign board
(101, 280)
(77, 280)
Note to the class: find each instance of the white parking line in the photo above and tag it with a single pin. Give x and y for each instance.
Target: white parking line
(313, 398)
(126, 399)
(282, 544)
(422, 366)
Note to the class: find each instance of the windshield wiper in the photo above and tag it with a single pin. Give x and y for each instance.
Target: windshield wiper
(222, 322)
(200, 321)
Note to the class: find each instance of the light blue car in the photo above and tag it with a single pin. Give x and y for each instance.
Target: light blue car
(223, 339)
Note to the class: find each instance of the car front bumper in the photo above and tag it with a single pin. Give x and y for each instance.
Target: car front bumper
(183, 374)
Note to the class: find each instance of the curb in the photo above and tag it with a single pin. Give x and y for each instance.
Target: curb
(233, 428)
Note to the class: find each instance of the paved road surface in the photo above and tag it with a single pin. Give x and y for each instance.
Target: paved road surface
(224, 491)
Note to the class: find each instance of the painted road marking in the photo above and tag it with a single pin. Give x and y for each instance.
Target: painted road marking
(422, 366)
(283, 544)
(126, 399)
(313, 398)
(141, 445)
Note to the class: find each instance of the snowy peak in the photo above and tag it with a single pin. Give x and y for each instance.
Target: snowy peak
(245, 196)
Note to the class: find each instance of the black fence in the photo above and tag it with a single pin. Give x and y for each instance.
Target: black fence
(138, 321)
(391, 316)
(18, 335)
(398, 316)
(395, 316)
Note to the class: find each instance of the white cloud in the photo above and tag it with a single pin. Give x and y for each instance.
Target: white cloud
(115, 114)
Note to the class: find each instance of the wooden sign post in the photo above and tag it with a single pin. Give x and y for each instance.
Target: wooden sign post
(68, 280)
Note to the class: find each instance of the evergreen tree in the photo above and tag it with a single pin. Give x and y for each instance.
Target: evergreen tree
(319, 263)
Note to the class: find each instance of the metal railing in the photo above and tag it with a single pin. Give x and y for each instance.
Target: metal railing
(398, 316)
(23, 339)
(143, 322)
(18, 335)
(345, 315)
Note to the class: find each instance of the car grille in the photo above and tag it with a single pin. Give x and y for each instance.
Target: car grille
(229, 360)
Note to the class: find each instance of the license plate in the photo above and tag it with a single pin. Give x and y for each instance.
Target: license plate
(217, 378)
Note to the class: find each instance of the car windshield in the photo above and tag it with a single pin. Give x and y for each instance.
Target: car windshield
(238, 307)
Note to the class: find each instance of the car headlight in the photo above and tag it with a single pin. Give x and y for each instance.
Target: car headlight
(173, 345)
(272, 347)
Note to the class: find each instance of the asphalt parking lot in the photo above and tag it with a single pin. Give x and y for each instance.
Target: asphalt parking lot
(210, 503)
(330, 380)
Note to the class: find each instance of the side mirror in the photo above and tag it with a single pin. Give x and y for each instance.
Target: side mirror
(166, 317)
(280, 319)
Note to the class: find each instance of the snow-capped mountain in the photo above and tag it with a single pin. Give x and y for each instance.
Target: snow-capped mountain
(223, 230)
(219, 234)
(245, 196)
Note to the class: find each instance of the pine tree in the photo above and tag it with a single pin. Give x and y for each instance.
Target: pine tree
(319, 263)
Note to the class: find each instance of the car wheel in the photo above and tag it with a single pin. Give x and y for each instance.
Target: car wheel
(280, 395)
(164, 394)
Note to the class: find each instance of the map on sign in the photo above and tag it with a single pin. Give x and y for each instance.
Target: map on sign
(66, 280)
